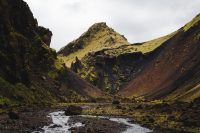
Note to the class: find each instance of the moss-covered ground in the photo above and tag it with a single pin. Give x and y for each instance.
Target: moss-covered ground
(155, 115)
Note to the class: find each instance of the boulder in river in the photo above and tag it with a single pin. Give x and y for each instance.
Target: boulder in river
(55, 126)
(73, 110)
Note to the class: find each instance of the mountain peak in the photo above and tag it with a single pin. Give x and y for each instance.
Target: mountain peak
(97, 29)
(97, 37)
(99, 25)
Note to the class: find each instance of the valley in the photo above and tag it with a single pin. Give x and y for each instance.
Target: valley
(98, 83)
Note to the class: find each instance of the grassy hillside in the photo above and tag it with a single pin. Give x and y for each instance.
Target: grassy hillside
(98, 36)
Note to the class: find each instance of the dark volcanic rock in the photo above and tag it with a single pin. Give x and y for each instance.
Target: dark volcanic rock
(13, 115)
(73, 110)
(55, 126)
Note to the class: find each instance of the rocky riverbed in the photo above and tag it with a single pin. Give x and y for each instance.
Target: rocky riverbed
(91, 124)
(161, 117)
(56, 121)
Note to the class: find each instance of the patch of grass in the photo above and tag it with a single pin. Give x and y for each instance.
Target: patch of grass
(191, 94)
(58, 65)
(144, 48)
(157, 101)
(19, 94)
(187, 92)
(4, 100)
(153, 44)
(197, 36)
(192, 23)
(147, 115)
(88, 74)
(107, 110)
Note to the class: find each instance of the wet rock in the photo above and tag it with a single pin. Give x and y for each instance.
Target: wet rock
(13, 115)
(44, 78)
(73, 110)
(76, 65)
(55, 126)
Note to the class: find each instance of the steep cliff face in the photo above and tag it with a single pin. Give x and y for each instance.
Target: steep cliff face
(23, 43)
(30, 71)
(24, 54)
(175, 71)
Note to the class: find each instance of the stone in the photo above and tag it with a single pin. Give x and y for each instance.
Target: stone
(13, 115)
(73, 110)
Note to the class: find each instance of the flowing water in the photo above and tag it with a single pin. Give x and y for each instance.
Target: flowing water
(60, 124)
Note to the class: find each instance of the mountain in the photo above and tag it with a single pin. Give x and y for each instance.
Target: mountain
(97, 37)
(153, 69)
(111, 67)
(30, 71)
(174, 74)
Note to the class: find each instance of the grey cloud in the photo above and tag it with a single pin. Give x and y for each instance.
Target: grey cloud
(138, 20)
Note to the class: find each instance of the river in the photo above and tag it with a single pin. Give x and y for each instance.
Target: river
(60, 124)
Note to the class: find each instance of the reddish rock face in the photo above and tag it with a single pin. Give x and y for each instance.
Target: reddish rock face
(177, 65)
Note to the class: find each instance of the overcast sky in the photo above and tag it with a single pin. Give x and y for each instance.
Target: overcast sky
(138, 20)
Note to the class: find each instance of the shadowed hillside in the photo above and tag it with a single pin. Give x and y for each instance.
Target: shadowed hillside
(30, 72)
